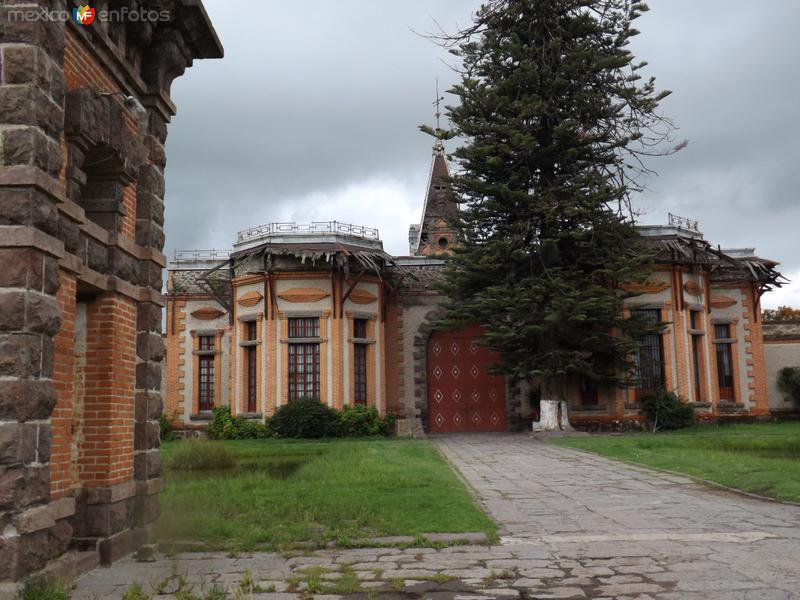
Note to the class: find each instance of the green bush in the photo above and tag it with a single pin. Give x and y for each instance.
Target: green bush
(789, 382)
(224, 426)
(305, 418)
(43, 588)
(360, 421)
(166, 429)
(196, 455)
(665, 410)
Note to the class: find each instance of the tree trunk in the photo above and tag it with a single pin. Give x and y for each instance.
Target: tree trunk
(554, 415)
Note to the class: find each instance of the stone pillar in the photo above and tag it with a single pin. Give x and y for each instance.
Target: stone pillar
(149, 343)
(31, 94)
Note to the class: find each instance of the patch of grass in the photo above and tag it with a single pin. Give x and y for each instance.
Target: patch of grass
(135, 592)
(284, 492)
(439, 578)
(347, 583)
(247, 586)
(762, 458)
(44, 588)
(200, 455)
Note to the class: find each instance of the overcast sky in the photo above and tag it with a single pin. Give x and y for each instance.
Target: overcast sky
(312, 116)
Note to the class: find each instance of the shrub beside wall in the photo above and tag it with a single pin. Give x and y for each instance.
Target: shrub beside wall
(303, 418)
(789, 383)
(665, 410)
(224, 426)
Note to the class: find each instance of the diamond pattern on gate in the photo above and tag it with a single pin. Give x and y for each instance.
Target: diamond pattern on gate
(472, 403)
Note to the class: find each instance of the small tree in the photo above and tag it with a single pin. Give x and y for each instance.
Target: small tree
(789, 383)
(665, 410)
(556, 121)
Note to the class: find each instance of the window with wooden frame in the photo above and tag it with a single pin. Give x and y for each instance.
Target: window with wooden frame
(304, 367)
(304, 327)
(360, 374)
(696, 332)
(360, 350)
(251, 365)
(723, 342)
(205, 372)
(360, 329)
(589, 392)
(648, 356)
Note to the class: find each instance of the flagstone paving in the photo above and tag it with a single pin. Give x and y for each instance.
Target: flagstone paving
(574, 525)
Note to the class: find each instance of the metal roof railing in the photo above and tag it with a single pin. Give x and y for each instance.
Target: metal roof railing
(315, 227)
(200, 255)
(683, 223)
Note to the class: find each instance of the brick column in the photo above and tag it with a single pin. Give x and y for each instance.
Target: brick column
(106, 453)
(31, 94)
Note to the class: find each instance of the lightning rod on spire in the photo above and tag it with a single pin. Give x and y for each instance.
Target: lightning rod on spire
(436, 103)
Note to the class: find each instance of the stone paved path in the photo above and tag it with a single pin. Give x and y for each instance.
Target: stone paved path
(574, 526)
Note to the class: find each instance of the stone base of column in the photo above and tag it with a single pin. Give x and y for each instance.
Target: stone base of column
(409, 428)
(104, 521)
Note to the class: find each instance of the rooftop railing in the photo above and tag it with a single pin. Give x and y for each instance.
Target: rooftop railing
(200, 255)
(683, 223)
(320, 227)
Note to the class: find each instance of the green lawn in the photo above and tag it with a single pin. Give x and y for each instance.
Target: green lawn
(763, 458)
(282, 492)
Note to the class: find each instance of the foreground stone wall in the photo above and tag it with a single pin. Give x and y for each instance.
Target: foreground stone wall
(81, 234)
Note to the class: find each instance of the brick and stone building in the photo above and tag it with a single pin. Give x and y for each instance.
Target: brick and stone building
(322, 310)
(84, 109)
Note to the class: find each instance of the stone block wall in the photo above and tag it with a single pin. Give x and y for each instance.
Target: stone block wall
(81, 234)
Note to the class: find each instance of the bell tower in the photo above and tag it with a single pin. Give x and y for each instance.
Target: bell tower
(434, 234)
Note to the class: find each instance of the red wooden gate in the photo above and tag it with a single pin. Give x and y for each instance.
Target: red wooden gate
(462, 394)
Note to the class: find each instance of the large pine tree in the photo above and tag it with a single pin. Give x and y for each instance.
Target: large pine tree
(555, 121)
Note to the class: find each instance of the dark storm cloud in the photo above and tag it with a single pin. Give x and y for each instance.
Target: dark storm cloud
(312, 115)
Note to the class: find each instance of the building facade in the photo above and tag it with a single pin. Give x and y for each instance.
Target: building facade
(321, 310)
(85, 107)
